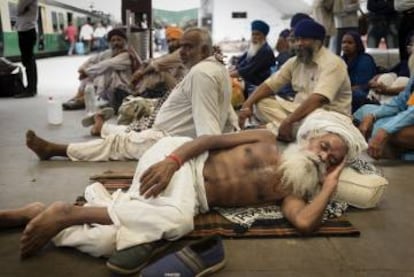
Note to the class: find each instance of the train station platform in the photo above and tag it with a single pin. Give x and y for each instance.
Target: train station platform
(383, 249)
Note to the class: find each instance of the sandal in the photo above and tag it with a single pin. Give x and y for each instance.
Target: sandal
(73, 104)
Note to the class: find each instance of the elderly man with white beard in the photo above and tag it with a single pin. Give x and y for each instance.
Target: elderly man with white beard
(319, 78)
(254, 66)
(178, 178)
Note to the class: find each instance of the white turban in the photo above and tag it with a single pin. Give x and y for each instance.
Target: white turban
(333, 122)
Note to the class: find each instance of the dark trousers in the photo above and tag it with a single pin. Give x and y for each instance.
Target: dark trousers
(27, 42)
(406, 26)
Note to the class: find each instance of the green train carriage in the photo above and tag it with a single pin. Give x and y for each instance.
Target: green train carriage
(53, 19)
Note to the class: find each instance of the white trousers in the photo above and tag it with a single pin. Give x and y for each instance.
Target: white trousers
(115, 145)
(138, 220)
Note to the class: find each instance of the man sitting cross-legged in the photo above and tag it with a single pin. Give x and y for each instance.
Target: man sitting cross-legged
(198, 105)
(178, 178)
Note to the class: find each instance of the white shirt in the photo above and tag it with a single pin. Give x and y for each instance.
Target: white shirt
(199, 104)
(86, 32)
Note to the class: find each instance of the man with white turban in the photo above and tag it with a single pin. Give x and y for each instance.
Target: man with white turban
(178, 178)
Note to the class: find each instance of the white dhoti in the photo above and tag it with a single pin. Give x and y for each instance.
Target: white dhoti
(138, 220)
(115, 145)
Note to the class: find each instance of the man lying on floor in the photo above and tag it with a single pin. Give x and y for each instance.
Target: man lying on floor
(178, 178)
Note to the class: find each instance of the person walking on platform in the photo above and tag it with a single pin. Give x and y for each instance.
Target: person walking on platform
(26, 24)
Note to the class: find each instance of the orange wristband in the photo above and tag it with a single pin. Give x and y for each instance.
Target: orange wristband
(176, 159)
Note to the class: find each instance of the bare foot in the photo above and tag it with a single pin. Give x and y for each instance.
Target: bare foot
(19, 217)
(41, 229)
(97, 126)
(38, 145)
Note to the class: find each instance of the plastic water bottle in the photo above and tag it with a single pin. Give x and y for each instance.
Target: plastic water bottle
(54, 111)
(90, 99)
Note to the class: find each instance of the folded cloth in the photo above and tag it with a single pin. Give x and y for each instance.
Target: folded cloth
(200, 258)
(333, 122)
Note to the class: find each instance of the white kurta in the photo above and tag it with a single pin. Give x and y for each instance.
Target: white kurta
(198, 105)
(138, 220)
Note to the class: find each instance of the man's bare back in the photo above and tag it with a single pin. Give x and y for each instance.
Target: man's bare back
(243, 175)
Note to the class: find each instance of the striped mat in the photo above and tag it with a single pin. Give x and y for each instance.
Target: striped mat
(213, 223)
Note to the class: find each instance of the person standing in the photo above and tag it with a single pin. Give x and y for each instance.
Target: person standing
(26, 24)
(346, 20)
(322, 11)
(70, 36)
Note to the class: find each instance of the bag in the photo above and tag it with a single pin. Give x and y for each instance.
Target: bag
(363, 23)
(133, 108)
(79, 48)
(12, 83)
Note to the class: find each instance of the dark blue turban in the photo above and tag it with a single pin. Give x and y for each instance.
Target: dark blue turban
(261, 26)
(309, 28)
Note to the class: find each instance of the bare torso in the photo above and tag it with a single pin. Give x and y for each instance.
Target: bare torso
(243, 175)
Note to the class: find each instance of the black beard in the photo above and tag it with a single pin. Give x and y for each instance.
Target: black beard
(305, 55)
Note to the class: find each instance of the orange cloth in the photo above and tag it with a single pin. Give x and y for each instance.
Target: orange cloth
(173, 32)
(237, 97)
(410, 101)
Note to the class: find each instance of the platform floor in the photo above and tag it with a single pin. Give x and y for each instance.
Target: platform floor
(385, 247)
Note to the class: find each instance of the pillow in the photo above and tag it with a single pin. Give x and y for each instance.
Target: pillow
(360, 190)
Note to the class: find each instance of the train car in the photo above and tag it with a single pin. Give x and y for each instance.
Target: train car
(53, 19)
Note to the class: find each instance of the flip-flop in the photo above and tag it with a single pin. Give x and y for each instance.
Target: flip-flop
(198, 259)
(89, 120)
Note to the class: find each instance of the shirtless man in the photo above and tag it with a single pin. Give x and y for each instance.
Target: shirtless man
(229, 170)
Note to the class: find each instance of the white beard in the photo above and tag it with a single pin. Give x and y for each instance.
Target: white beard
(302, 171)
(254, 48)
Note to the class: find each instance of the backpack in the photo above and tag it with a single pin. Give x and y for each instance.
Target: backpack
(11, 79)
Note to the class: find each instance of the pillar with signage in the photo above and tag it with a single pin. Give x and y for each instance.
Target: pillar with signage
(137, 17)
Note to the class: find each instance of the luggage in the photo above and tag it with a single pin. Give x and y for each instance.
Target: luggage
(11, 79)
(80, 48)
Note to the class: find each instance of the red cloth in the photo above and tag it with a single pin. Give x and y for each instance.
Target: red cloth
(70, 33)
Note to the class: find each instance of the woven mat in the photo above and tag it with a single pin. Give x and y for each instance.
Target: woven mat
(213, 223)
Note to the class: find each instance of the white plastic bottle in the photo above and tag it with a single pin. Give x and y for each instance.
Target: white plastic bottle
(90, 99)
(54, 111)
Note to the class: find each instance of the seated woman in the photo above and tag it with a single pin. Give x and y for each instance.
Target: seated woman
(390, 126)
(361, 68)
(384, 86)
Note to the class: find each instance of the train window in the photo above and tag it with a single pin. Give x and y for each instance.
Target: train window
(62, 23)
(55, 23)
(239, 15)
(13, 15)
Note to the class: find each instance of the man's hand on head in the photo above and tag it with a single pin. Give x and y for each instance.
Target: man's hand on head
(332, 176)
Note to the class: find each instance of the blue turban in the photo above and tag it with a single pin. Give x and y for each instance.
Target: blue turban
(285, 33)
(298, 17)
(309, 28)
(261, 26)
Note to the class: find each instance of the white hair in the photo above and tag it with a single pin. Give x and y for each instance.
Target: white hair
(301, 171)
